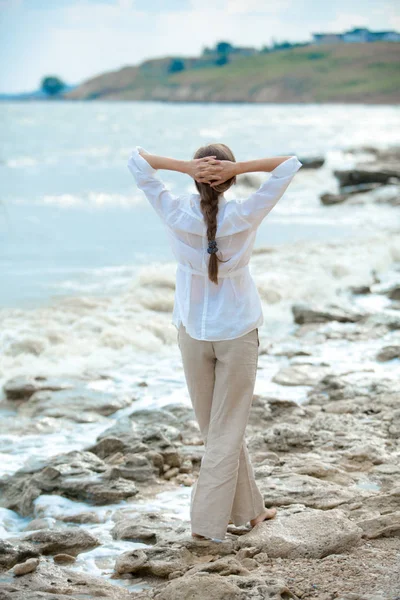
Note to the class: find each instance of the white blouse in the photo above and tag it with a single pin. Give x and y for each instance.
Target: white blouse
(233, 307)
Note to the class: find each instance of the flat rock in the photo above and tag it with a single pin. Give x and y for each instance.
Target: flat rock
(80, 405)
(388, 353)
(304, 313)
(71, 540)
(310, 533)
(59, 583)
(22, 388)
(282, 489)
(387, 525)
(300, 375)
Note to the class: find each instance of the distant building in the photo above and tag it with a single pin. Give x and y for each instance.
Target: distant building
(356, 35)
(327, 38)
(244, 51)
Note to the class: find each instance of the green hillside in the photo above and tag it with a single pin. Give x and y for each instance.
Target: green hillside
(366, 73)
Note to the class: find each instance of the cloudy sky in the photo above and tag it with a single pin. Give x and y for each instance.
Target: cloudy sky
(77, 39)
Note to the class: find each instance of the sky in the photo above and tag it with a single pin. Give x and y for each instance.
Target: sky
(79, 39)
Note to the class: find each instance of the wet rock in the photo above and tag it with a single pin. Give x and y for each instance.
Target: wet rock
(303, 313)
(388, 353)
(82, 518)
(135, 532)
(64, 559)
(350, 177)
(158, 561)
(312, 162)
(11, 554)
(394, 292)
(309, 533)
(26, 567)
(71, 540)
(300, 375)
(347, 192)
(75, 475)
(135, 467)
(22, 388)
(77, 405)
(44, 523)
(54, 582)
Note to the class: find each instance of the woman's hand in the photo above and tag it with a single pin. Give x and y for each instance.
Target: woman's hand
(227, 170)
(204, 169)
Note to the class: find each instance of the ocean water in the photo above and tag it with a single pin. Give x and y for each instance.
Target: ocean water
(87, 277)
(72, 221)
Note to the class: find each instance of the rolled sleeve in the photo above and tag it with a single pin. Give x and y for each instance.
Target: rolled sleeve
(161, 199)
(138, 165)
(288, 167)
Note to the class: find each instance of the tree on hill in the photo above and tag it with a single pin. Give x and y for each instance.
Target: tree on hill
(52, 85)
(224, 48)
(176, 65)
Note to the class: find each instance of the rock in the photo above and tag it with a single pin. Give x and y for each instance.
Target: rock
(358, 176)
(76, 475)
(310, 533)
(135, 532)
(284, 437)
(10, 555)
(312, 162)
(22, 388)
(77, 405)
(300, 375)
(212, 587)
(54, 582)
(388, 353)
(27, 567)
(64, 559)
(394, 292)
(82, 518)
(381, 526)
(285, 488)
(347, 192)
(135, 467)
(312, 314)
(71, 540)
(360, 289)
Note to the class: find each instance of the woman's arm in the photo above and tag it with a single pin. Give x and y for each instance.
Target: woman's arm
(229, 169)
(200, 169)
(260, 164)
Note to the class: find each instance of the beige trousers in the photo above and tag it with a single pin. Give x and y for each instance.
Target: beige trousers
(220, 377)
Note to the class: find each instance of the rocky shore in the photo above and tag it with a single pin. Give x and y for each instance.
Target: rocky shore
(324, 442)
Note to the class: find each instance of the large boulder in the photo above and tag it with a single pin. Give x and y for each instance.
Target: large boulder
(69, 540)
(308, 533)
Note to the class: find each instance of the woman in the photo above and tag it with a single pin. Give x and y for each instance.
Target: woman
(217, 313)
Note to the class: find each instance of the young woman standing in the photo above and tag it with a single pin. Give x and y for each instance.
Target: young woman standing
(217, 313)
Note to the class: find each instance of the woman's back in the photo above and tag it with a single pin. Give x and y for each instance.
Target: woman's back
(231, 307)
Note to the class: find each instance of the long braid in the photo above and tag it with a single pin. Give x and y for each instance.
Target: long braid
(209, 208)
(209, 203)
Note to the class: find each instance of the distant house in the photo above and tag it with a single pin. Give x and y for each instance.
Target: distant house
(356, 35)
(244, 51)
(327, 38)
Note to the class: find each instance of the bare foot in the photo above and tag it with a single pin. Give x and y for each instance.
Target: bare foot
(269, 513)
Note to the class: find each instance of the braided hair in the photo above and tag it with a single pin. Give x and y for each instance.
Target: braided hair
(209, 198)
